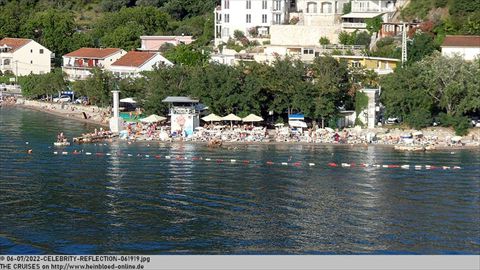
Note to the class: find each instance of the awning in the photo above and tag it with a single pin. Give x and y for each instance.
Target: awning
(297, 116)
(362, 15)
(180, 100)
(297, 123)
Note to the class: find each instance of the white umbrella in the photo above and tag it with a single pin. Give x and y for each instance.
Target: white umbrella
(127, 100)
(329, 130)
(252, 118)
(212, 118)
(279, 125)
(153, 119)
(456, 138)
(231, 117)
(297, 123)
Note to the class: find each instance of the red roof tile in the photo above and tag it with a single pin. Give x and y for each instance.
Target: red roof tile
(134, 59)
(462, 41)
(93, 52)
(15, 43)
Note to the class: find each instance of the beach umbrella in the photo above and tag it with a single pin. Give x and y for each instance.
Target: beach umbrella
(279, 125)
(329, 130)
(252, 118)
(212, 118)
(153, 119)
(231, 117)
(417, 133)
(127, 100)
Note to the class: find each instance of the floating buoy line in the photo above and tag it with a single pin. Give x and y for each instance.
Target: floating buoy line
(268, 163)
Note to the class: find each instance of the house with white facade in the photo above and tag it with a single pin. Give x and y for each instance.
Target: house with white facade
(153, 43)
(466, 46)
(22, 56)
(79, 64)
(362, 10)
(244, 15)
(134, 62)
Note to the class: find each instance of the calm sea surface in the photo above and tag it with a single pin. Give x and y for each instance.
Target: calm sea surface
(121, 204)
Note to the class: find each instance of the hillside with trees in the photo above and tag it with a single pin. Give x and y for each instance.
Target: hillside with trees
(64, 26)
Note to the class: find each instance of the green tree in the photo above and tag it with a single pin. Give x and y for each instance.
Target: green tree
(422, 45)
(126, 36)
(186, 55)
(374, 24)
(324, 41)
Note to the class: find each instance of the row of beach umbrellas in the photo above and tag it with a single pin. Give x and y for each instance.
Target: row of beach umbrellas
(232, 117)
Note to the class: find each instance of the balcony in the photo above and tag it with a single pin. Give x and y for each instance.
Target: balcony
(353, 25)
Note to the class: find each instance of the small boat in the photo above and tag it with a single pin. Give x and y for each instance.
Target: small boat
(61, 143)
(410, 148)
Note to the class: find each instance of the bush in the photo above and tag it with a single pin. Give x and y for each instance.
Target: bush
(324, 41)
(253, 32)
(419, 118)
(294, 20)
(238, 35)
(266, 42)
(459, 123)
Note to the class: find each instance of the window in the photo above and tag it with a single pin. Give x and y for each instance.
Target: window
(308, 51)
(311, 7)
(227, 18)
(264, 18)
(264, 4)
(326, 7)
(249, 18)
(226, 4)
(6, 62)
(278, 5)
(41, 51)
(249, 4)
(278, 18)
(31, 61)
(31, 51)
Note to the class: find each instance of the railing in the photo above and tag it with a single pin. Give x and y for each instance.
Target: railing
(342, 47)
(354, 25)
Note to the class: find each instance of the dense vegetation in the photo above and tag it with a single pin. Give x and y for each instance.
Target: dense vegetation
(317, 89)
(435, 87)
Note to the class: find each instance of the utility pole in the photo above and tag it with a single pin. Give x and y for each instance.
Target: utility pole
(16, 72)
(404, 44)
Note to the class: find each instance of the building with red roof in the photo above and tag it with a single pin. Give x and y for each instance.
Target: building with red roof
(134, 62)
(22, 56)
(79, 64)
(467, 47)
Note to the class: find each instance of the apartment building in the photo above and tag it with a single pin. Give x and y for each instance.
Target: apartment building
(361, 10)
(22, 56)
(244, 15)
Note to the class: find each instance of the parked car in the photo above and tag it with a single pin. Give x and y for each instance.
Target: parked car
(62, 98)
(475, 122)
(392, 121)
(81, 100)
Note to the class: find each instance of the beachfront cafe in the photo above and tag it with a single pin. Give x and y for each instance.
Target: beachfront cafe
(184, 115)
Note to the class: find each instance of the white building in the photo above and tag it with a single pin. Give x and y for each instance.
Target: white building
(367, 9)
(24, 56)
(133, 63)
(243, 15)
(466, 46)
(78, 64)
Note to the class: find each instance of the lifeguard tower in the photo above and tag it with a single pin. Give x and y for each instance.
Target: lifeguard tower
(184, 116)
